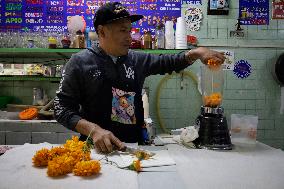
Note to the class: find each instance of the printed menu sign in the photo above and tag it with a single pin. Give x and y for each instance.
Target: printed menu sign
(53, 15)
(192, 2)
(254, 12)
(278, 9)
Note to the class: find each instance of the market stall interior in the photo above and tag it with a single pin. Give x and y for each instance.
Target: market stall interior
(205, 126)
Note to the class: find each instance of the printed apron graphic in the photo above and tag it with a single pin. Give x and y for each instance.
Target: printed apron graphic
(123, 107)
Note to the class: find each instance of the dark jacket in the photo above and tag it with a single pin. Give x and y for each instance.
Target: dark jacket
(95, 88)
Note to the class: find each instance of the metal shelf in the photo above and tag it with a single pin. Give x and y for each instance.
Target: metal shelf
(28, 78)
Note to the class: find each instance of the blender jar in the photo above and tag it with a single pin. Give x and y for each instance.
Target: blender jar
(212, 84)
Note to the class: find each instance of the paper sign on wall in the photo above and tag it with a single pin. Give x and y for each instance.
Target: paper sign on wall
(53, 15)
(254, 12)
(192, 2)
(278, 9)
(230, 59)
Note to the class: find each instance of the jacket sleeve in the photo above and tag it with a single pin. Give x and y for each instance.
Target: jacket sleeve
(151, 64)
(67, 100)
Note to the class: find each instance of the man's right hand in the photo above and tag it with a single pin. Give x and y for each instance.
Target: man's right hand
(104, 140)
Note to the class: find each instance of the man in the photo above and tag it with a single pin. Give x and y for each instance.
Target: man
(100, 91)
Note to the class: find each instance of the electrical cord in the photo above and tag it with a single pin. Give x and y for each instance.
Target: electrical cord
(187, 74)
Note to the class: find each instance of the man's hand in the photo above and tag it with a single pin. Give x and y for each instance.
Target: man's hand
(104, 140)
(205, 54)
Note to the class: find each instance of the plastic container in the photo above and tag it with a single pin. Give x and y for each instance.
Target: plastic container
(52, 43)
(160, 37)
(212, 84)
(169, 35)
(244, 129)
(4, 100)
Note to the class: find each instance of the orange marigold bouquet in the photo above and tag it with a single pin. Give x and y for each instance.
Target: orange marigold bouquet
(74, 156)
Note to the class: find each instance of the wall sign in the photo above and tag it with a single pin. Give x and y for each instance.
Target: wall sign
(53, 15)
(193, 17)
(242, 69)
(278, 9)
(192, 2)
(218, 7)
(254, 12)
(230, 58)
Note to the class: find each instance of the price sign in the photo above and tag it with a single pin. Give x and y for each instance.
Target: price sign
(254, 12)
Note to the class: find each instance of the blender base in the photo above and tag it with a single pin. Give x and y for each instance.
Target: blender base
(213, 133)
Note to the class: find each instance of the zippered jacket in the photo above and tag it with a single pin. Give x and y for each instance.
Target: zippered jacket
(109, 94)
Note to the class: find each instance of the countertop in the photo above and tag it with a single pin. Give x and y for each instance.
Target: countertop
(245, 167)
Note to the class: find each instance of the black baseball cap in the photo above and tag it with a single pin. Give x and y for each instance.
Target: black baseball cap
(110, 12)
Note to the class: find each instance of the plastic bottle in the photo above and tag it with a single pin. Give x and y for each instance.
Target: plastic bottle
(147, 40)
(160, 36)
(136, 38)
(80, 40)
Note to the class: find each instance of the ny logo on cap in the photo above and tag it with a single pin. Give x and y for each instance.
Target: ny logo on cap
(119, 8)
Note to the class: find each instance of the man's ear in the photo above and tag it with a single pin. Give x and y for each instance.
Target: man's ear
(101, 31)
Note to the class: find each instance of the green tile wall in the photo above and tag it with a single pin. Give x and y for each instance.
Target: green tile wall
(22, 91)
(257, 95)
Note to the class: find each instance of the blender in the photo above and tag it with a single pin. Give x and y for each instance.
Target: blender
(213, 129)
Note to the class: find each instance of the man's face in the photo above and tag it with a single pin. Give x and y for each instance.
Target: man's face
(117, 36)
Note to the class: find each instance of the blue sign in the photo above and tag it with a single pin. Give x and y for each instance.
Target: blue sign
(52, 15)
(242, 69)
(254, 12)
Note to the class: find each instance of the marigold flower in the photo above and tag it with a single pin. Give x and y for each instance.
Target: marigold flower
(213, 100)
(57, 151)
(142, 155)
(213, 65)
(41, 157)
(87, 168)
(79, 155)
(136, 166)
(74, 143)
(60, 165)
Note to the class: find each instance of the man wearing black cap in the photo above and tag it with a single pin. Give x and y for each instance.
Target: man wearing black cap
(100, 91)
